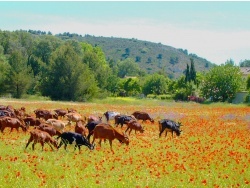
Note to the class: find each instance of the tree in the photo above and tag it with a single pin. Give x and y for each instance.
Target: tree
(4, 66)
(130, 86)
(187, 77)
(155, 84)
(245, 63)
(94, 57)
(44, 50)
(229, 62)
(19, 75)
(221, 83)
(248, 82)
(68, 78)
(192, 73)
(127, 68)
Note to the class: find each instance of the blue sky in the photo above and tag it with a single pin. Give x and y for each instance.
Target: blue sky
(216, 31)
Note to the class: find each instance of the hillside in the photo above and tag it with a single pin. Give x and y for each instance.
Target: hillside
(150, 56)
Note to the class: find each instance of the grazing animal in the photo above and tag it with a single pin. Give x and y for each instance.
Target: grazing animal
(49, 129)
(38, 136)
(134, 125)
(170, 126)
(71, 110)
(70, 137)
(91, 126)
(74, 117)
(59, 125)
(93, 118)
(45, 114)
(81, 129)
(5, 113)
(13, 123)
(142, 116)
(31, 121)
(20, 112)
(106, 131)
(61, 112)
(123, 119)
(109, 115)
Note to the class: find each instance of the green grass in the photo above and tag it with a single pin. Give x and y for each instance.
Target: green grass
(212, 151)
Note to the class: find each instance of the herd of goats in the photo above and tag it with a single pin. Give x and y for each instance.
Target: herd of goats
(47, 125)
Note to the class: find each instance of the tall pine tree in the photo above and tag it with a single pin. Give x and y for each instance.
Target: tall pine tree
(187, 77)
(192, 73)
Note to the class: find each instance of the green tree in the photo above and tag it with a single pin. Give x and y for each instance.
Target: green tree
(155, 84)
(131, 86)
(192, 73)
(43, 50)
(19, 75)
(113, 85)
(187, 77)
(229, 62)
(68, 78)
(245, 63)
(221, 83)
(128, 68)
(4, 66)
(248, 82)
(5, 40)
(94, 57)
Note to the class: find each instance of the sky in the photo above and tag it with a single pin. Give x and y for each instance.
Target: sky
(214, 30)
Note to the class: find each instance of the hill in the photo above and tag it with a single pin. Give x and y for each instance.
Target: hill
(151, 57)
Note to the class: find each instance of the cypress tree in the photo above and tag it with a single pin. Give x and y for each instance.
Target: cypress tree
(187, 77)
(192, 73)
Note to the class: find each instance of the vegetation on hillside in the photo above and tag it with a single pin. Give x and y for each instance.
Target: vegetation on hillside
(65, 67)
(150, 57)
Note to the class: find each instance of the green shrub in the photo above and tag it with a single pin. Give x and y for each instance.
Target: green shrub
(151, 96)
(164, 97)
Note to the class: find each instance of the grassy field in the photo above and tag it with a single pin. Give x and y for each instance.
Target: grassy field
(212, 151)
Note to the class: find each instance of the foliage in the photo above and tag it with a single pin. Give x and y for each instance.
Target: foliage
(95, 59)
(221, 83)
(245, 63)
(4, 66)
(155, 84)
(190, 73)
(248, 82)
(19, 75)
(187, 74)
(143, 52)
(71, 67)
(68, 78)
(130, 86)
(127, 67)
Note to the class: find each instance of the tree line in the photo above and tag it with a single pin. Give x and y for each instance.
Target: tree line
(37, 63)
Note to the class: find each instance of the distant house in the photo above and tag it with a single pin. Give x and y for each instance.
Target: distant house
(241, 95)
(245, 71)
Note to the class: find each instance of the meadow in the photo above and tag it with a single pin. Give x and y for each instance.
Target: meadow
(212, 151)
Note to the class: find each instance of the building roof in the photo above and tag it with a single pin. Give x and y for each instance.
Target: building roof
(245, 71)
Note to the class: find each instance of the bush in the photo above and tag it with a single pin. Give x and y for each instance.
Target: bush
(164, 97)
(181, 95)
(151, 96)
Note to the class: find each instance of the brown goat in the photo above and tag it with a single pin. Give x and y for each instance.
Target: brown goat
(13, 123)
(134, 125)
(106, 131)
(38, 136)
(81, 129)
